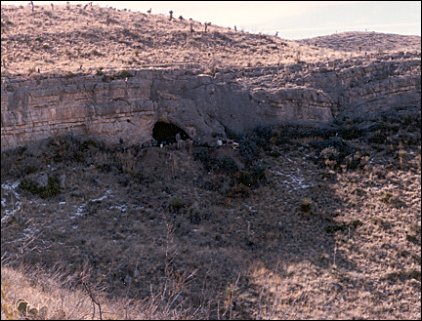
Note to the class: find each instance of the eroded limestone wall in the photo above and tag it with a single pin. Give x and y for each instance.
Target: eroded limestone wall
(127, 109)
(202, 105)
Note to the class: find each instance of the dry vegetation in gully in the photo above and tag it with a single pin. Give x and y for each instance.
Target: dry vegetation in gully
(286, 222)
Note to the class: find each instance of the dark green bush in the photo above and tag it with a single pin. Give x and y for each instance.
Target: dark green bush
(350, 132)
(52, 189)
(225, 164)
(253, 176)
(203, 155)
(249, 150)
(176, 204)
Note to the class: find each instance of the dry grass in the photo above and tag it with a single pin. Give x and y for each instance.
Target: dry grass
(48, 297)
(164, 230)
(72, 39)
(152, 233)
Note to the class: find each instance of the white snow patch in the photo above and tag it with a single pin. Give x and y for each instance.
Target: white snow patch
(80, 210)
(295, 180)
(122, 208)
(9, 213)
(102, 198)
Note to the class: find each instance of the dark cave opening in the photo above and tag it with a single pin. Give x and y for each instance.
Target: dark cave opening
(165, 133)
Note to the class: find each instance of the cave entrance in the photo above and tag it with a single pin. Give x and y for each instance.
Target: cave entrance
(165, 133)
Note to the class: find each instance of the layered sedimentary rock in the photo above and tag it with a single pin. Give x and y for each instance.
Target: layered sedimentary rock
(126, 107)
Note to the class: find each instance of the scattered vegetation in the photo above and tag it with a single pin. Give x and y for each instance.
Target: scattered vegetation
(237, 231)
(176, 204)
(306, 206)
(51, 190)
(343, 227)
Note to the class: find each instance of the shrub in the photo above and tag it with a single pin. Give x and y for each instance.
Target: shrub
(332, 151)
(253, 176)
(225, 164)
(176, 204)
(379, 137)
(306, 205)
(99, 72)
(329, 153)
(329, 156)
(120, 75)
(7, 308)
(350, 132)
(28, 312)
(52, 189)
(285, 134)
(248, 150)
(262, 135)
(343, 227)
(203, 155)
(246, 179)
(30, 169)
(123, 74)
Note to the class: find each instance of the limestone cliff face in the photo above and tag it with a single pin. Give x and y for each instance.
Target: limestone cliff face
(127, 109)
(204, 106)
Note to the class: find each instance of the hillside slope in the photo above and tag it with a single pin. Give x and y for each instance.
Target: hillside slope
(75, 38)
(318, 219)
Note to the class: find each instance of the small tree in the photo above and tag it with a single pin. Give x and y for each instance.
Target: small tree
(207, 24)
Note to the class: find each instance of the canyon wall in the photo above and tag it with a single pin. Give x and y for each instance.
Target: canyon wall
(125, 107)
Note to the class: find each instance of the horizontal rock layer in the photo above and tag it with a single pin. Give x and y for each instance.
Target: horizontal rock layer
(126, 108)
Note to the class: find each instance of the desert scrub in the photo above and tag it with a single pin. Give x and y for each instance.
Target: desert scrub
(223, 164)
(8, 311)
(123, 74)
(27, 312)
(404, 275)
(30, 169)
(334, 152)
(350, 132)
(253, 176)
(176, 204)
(379, 138)
(22, 310)
(262, 136)
(286, 135)
(329, 156)
(249, 150)
(120, 75)
(203, 155)
(100, 71)
(306, 206)
(52, 189)
(343, 227)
